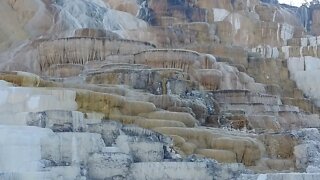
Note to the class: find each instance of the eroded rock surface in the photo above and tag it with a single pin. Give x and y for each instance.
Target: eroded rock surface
(158, 90)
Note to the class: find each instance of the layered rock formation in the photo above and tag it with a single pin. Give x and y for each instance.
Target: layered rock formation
(158, 90)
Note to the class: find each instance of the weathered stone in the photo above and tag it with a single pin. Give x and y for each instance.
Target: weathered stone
(75, 148)
(58, 121)
(87, 32)
(219, 155)
(171, 170)
(279, 145)
(315, 20)
(242, 147)
(25, 150)
(264, 123)
(49, 50)
(298, 176)
(109, 165)
(246, 67)
(109, 131)
(185, 118)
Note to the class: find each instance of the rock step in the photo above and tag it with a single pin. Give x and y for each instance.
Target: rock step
(172, 170)
(285, 121)
(64, 70)
(254, 109)
(42, 148)
(303, 103)
(275, 118)
(123, 66)
(281, 176)
(56, 120)
(24, 99)
(169, 72)
(78, 50)
(264, 123)
(151, 123)
(67, 172)
(174, 58)
(95, 33)
(245, 96)
(74, 80)
(236, 121)
(116, 161)
(42, 144)
(108, 165)
(286, 52)
(188, 141)
(279, 146)
(236, 54)
(272, 68)
(305, 70)
(295, 120)
(222, 156)
(158, 81)
(281, 165)
(274, 73)
(300, 51)
(306, 41)
(111, 59)
(164, 21)
(185, 118)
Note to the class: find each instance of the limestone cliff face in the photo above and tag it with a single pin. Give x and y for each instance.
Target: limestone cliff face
(158, 89)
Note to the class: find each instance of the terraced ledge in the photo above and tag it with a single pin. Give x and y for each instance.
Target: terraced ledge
(106, 39)
(174, 58)
(79, 50)
(245, 96)
(102, 107)
(171, 50)
(281, 176)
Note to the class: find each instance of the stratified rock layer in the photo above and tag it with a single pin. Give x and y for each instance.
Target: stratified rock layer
(184, 90)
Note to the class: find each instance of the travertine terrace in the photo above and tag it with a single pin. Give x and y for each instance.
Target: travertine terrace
(159, 89)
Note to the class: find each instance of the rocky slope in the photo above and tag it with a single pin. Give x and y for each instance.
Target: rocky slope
(149, 89)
